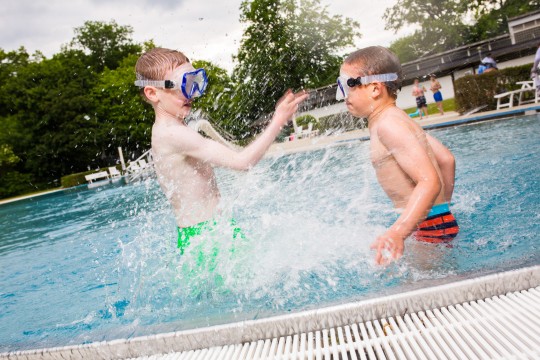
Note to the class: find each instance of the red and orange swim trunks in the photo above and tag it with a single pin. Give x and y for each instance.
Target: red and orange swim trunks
(440, 226)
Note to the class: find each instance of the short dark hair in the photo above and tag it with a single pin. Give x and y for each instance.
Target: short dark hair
(375, 60)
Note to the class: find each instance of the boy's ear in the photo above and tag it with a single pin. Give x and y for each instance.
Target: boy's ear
(151, 93)
(377, 90)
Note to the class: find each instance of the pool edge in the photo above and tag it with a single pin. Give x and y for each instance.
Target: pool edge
(252, 330)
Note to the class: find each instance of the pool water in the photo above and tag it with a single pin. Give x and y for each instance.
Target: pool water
(86, 265)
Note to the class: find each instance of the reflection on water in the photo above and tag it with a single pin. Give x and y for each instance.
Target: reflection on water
(94, 265)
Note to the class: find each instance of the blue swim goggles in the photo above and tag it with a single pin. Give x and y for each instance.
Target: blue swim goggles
(345, 82)
(192, 83)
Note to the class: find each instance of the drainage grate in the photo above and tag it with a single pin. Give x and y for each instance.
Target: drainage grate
(500, 327)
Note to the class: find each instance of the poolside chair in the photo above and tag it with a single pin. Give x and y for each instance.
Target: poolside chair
(114, 173)
(298, 132)
(133, 167)
(96, 176)
(310, 132)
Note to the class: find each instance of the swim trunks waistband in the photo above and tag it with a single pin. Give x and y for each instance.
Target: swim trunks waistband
(439, 209)
(187, 233)
(421, 101)
(439, 226)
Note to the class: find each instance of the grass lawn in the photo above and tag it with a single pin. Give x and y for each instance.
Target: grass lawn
(448, 105)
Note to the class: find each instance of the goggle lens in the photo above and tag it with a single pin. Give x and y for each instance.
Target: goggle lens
(194, 83)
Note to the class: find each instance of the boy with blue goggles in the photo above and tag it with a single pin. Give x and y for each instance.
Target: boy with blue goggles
(184, 160)
(191, 83)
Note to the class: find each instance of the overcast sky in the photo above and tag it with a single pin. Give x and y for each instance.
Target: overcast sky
(203, 29)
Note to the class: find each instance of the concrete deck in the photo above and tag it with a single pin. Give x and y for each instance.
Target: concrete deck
(431, 122)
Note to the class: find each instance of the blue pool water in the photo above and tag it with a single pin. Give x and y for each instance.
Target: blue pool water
(90, 265)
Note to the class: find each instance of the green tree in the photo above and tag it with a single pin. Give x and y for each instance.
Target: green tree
(407, 48)
(216, 102)
(11, 64)
(48, 102)
(120, 116)
(440, 24)
(286, 44)
(12, 182)
(69, 113)
(106, 44)
(7, 158)
(491, 16)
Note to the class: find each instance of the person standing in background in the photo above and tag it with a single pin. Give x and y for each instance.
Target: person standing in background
(418, 93)
(437, 96)
(489, 63)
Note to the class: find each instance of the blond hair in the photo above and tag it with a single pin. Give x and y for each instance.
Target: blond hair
(375, 60)
(155, 63)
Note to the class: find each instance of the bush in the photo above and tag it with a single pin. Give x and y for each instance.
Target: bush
(304, 121)
(14, 183)
(74, 179)
(78, 178)
(473, 91)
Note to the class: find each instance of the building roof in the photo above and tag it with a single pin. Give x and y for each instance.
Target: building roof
(522, 16)
(441, 64)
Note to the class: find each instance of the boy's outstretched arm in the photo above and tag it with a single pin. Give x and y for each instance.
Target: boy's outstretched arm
(217, 154)
(414, 160)
(447, 164)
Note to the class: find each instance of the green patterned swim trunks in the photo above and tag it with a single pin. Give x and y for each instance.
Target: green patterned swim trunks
(210, 247)
(185, 235)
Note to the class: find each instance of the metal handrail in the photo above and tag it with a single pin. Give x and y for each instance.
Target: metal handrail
(134, 173)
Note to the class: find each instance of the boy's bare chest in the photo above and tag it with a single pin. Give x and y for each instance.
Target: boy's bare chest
(380, 156)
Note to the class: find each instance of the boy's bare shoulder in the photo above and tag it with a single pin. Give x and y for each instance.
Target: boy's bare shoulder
(176, 137)
(394, 117)
(171, 130)
(395, 122)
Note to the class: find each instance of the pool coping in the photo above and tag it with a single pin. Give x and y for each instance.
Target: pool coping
(430, 123)
(471, 289)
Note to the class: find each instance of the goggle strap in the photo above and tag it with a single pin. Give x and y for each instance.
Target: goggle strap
(379, 77)
(166, 84)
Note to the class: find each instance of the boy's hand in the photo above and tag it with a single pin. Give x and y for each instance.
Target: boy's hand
(389, 247)
(288, 105)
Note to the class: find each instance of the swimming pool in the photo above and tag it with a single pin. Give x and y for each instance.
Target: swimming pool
(89, 265)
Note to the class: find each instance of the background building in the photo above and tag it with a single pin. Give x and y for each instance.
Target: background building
(515, 48)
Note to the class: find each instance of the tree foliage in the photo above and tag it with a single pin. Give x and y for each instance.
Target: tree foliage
(445, 24)
(216, 103)
(120, 116)
(51, 117)
(491, 16)
(106, 44)
(286, 44)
